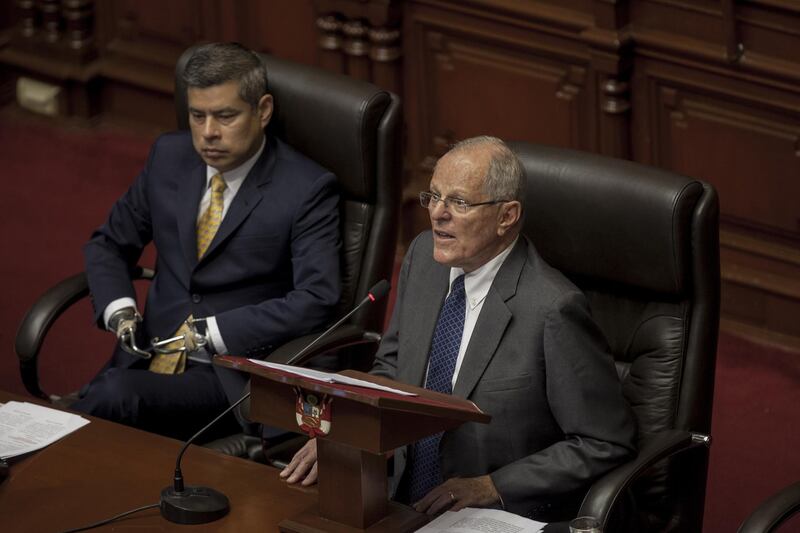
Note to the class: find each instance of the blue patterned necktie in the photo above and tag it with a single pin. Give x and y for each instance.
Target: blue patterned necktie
(426, 472)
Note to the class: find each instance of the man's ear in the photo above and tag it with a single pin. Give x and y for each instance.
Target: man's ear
(265, 110)
(508, 217)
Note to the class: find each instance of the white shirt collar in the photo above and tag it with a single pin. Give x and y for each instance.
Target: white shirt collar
(477, 282)
(234, 178)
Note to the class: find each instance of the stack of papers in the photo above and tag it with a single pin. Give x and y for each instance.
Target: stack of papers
(26, 427)
(328, 377)
(470, 520)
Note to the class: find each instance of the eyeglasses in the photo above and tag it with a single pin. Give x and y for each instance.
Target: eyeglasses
(429, 199)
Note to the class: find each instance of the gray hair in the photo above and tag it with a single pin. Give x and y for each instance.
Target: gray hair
(217, 63)
(505, 179)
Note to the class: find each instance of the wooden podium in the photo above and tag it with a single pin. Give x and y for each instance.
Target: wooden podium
(363, 424)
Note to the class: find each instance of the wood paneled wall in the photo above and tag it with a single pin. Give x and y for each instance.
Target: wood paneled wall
(118, 56)
(708, 88)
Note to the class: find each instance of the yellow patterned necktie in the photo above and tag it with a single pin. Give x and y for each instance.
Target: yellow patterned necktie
(209, 221)
(207, 226)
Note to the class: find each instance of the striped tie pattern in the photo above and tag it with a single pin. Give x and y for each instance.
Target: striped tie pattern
(207, 226)
(209, 221)
(426, 472)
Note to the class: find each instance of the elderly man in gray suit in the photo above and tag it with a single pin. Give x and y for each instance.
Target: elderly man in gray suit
(480, 315)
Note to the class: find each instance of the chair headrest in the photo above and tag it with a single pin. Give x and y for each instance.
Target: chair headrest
(328, 117)
(597, 217)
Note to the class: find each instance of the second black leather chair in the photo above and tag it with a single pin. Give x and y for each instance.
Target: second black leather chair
(642, 243)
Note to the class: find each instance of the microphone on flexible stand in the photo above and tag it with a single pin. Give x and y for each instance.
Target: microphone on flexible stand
(200, 505)
(378, 291)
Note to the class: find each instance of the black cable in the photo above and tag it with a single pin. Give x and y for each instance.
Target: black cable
(104, 522)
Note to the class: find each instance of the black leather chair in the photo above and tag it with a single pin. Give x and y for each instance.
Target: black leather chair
(643, 244)
(348, 126)
(774, 511)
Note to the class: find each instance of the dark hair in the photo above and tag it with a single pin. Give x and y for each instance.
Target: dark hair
(217, 63)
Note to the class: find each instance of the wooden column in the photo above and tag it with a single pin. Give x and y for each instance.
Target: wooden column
(356, 49)
(611, 53)
(57, 31)
(330, 42)
(385, 55)
(26, 15)
(361, 38)
(78, 24)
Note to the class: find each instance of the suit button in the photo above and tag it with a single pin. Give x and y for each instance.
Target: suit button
(196, 298)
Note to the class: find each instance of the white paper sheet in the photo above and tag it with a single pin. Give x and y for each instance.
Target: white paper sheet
(471, 520)
(26, 427)
(328, 377)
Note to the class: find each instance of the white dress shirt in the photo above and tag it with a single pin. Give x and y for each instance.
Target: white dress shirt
(233, 181)
(476, 287)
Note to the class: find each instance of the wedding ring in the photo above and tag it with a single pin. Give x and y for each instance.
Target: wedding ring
(452, 498)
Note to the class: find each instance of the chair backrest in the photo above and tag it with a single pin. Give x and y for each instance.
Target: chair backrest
(643, 244)
(352, 128)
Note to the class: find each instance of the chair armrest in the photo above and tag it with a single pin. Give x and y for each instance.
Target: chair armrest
(347, 335)
(40, 318)
(773, 511)
(606, 491)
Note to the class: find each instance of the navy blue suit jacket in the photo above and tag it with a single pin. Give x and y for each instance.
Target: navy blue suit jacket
(270, 274)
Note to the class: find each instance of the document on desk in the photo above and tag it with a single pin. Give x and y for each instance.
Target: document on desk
(328, 377)
(26, 427)
(470, 520)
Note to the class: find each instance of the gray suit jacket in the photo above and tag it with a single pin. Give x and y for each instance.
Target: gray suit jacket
(536, 362)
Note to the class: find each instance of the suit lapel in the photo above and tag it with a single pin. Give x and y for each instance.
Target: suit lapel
(422, 321)
(246, 199)
(189, 193)
(492, 322)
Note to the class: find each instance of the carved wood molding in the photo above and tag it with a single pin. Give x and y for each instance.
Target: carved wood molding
(735, 118)
(571, 82)
(759, 247)
(451, 57)
(759, 335)
(790, 6)
(776, 284)
(543, 16)
(713, 58)
(56, 30)
(361, 39)
(615, 96)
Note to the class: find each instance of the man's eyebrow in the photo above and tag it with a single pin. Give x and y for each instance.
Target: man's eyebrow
(457, 193)
(214, 111)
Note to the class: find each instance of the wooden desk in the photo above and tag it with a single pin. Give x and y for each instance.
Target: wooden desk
(104, 469)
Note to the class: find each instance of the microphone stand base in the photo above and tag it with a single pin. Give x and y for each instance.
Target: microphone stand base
(193, 505)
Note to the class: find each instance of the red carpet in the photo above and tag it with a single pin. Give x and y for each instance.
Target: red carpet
(756, 431)
(61, 182)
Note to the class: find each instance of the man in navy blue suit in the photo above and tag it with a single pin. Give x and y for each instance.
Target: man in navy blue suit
(247, 238)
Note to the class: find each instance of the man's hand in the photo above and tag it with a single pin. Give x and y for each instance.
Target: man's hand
(303, 466)
(458, 493)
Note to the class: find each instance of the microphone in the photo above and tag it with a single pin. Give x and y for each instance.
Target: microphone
(378, 291)
(200, 505)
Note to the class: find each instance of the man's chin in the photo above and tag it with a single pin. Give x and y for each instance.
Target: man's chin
(441, 257)
(220, 163)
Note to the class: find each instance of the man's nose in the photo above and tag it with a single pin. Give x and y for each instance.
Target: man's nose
(210, 128)
(438, 210)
